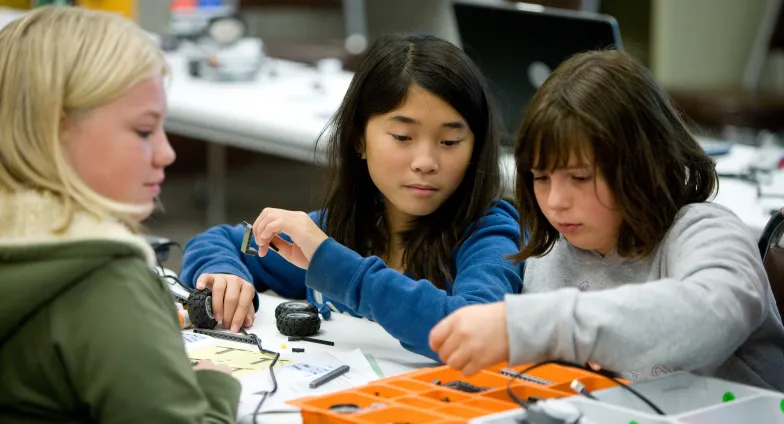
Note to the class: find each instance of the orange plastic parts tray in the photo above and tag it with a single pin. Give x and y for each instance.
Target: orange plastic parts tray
(415, 398)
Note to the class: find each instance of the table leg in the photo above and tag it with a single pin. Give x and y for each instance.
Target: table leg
(216, 180)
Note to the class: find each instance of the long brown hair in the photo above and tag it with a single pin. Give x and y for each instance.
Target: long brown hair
(353, 211)
(607, 106)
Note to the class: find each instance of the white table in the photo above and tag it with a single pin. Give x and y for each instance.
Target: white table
(279, 113)
(347, 332)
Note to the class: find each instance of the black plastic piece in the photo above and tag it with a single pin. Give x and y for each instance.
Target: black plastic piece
(461, 386)
(311, 339)
(326, 378)
(241, 338)
(300, 324)
(200, 309)
(512, 373)
(297, 349)
(245, 246)
(465, 387)
(295, 306)
(247, 237)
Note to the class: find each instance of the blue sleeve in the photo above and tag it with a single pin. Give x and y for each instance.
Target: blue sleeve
(408, 309)
(217, 251)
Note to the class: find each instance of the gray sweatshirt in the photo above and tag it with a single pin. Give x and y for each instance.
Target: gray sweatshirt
(700, 302)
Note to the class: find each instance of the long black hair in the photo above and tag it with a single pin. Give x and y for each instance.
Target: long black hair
(353, 206)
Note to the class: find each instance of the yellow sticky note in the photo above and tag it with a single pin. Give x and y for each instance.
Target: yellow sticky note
(241, 360)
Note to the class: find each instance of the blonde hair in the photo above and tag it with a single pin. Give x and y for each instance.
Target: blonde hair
(59, 60)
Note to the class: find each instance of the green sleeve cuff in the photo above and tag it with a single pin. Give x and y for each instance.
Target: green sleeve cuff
(222, 391)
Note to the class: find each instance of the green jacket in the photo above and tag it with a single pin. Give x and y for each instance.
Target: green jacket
(88, 332)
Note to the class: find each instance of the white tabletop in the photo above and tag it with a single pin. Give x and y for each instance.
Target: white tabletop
(348, 333)
(279, 113)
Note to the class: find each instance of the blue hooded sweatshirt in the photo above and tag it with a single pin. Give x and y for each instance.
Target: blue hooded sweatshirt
(338, 279)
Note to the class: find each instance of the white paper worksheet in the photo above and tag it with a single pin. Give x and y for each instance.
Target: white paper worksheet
(294, 380)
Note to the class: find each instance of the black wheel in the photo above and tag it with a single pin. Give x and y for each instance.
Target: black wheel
(295, 306)
(200, 309)
(299, 324)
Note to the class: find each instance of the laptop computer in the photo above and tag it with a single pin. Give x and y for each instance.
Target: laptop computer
(517, 45)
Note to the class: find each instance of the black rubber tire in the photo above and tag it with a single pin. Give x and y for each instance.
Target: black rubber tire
(200, 309)
(299, 324)
(295, 306)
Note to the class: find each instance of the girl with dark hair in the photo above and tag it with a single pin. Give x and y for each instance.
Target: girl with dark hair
(629, 267)
(412, 227)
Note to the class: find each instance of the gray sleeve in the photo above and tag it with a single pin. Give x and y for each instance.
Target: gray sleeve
(714, 298)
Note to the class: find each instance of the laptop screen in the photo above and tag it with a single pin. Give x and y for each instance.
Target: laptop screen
(517, 46)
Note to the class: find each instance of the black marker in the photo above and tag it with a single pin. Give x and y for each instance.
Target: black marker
(326, 378)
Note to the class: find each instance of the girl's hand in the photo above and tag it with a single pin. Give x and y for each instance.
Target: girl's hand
(209, 365)
(232, 299)
(472, 338)
(304, 233)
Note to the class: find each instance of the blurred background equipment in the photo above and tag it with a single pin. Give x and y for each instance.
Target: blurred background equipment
(189, 19)
(215, 40)
(742, 108)
(541, 38)
(251, 142)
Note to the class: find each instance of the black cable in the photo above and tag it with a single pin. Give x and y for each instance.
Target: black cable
(171, 243)
(579, 387)
(524, 404)
(179, 282)
(166, 245)
(163, 274)
(267, 393)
